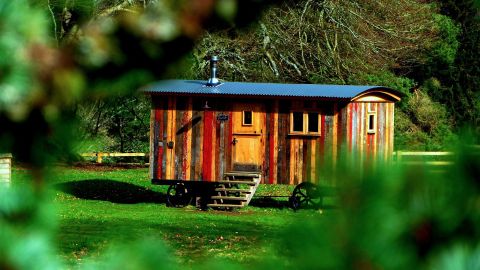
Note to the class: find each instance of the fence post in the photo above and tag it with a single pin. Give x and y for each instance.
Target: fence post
(5, 169)
(99, 157)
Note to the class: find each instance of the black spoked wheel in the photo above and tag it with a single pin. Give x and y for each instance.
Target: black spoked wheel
(306, 195)
(178, 195)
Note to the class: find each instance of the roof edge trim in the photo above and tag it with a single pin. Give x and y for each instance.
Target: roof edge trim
(386, 93)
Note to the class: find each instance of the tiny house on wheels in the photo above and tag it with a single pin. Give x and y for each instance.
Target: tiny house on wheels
(216, 140)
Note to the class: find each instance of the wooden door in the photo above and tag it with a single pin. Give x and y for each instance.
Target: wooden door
(248, 124)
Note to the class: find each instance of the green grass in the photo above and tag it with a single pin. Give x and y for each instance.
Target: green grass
(99, 207)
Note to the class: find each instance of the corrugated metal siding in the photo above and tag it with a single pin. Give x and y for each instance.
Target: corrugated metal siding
(260, 89)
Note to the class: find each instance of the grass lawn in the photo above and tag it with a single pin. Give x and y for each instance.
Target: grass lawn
(98, 207)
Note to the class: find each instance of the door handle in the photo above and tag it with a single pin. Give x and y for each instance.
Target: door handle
(234, 141)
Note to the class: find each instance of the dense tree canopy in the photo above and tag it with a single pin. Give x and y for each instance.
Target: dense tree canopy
(417, 47)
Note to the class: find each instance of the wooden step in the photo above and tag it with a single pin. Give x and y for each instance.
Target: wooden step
(241, 174)
(225, 205)
(233, 190)
(251, 183)
(228, 198)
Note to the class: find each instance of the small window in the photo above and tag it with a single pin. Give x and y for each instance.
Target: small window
(247, 118)
(297, 122)
(305, 123)
(313, 121)
(371, 123)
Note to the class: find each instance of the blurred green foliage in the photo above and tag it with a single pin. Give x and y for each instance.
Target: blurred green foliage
(398, 218)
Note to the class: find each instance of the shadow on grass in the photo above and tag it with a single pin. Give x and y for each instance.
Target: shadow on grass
(110, 190)
(281, 203)
(268, 202)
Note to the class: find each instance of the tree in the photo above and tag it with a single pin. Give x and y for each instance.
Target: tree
(324, 41)
(459, 77)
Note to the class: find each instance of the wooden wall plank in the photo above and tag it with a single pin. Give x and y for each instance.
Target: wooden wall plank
(387, 133)
(195, 144)
(208, 159)
(159, 145)
(353, 127)
(171, 128)
(293, 156)
(380, 149)
(298, 162)
(229, 142)
(326, 132)
(391, 127)
(375, 105)
(164, 140)
(273, 143)
(198, 138)
(362, 134)
(283, 175)
(179, 154)
(268, 143)
(153, 157)
(187, 141)
(307, 159)
(313, 161)
(219, 149)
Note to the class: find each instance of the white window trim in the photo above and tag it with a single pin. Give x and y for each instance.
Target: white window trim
(372, 130)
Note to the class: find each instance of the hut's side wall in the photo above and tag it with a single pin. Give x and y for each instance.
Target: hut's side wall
(361, 145)
(189, 142)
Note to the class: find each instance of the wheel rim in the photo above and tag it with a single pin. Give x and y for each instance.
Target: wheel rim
(306, 195)
(178, 195)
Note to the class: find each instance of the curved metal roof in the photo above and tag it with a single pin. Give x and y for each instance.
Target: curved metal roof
(263, 89)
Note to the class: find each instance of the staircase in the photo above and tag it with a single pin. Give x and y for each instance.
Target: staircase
(235, 191)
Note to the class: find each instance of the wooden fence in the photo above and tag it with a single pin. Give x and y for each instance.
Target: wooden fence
(100, 155)
(5, 169)
(405, 157)
(424, 158)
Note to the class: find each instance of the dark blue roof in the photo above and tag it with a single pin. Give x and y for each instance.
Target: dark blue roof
(262, 89)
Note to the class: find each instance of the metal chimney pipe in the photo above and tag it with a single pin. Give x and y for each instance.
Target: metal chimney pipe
(213, 81)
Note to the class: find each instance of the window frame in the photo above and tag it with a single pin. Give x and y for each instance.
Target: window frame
(371, 112)
(251, 118)
(305, 118)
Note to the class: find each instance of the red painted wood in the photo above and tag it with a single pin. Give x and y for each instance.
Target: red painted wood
(340, 122)
(350, 126)
(207, 146)
(185, 120)
(159, 122)
(370, 138)
(272, 142)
